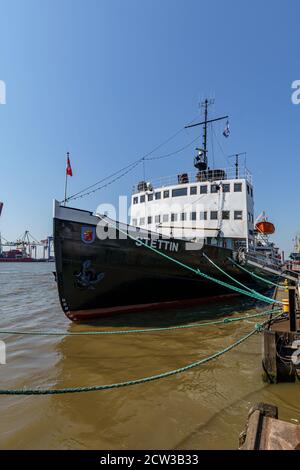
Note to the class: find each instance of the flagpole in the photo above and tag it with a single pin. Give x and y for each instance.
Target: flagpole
(66, 181)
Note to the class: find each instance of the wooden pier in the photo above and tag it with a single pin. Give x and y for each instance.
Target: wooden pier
(264, 431)
(281, 339)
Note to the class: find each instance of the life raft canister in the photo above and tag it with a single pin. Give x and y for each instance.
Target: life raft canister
(265, 227)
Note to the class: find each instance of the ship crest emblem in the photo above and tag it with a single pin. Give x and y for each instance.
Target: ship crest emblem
(88, 234)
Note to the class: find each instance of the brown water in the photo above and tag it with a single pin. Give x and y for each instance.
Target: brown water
(205, 408)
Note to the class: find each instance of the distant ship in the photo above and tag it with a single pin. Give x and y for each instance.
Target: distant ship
(203, 220)
(295, 255)
(294, 262)
(15, 256)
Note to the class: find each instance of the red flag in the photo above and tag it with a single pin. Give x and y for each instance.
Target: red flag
(69, 168)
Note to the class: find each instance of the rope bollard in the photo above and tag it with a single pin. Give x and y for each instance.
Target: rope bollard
(285, 306)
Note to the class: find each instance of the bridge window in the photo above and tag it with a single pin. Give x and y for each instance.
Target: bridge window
(238, 215)
(173, 217)
(193, 190)
(183, 216)
(179, 192)
(214, 215)
(193, 216)
(225, 215)
(203, 215)
(135, 200)
(149, 220)
(237, 187)
(150, 197)
(158, 195)
(226, 188)
(142, 198)
(203, 189)
(214, 188)
(166, 194)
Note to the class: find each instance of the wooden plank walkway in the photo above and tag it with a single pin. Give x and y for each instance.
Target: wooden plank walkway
(264, 431)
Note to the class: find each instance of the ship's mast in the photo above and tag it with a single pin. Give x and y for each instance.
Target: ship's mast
(201, 162)
(205, 104)
(237, 156)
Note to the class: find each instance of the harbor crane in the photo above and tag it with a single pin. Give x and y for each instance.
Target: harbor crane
(28, 245)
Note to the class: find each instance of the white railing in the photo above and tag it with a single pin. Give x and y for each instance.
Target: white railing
(211, 175)
(266, 260)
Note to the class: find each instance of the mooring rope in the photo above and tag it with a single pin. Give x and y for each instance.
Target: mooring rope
(267, 281)
(94, 388)
(229, 276)
(197, 271)
(145, 330)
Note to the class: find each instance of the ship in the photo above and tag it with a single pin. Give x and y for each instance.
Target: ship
(295, 255)
(293, 263)
(200, 222)
(17, 256)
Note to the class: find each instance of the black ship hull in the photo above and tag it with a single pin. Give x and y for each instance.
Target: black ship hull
(115, 274)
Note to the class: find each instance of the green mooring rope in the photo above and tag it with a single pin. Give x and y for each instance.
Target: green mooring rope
(146, 330)
(256, 275)
(197, 271)
(229, 276)
(60, 391)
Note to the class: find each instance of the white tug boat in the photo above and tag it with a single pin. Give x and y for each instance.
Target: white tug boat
(181, 225)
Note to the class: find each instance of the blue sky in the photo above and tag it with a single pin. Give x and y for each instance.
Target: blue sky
(109, 80)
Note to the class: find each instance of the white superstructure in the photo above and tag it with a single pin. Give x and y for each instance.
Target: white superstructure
(212, 205)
